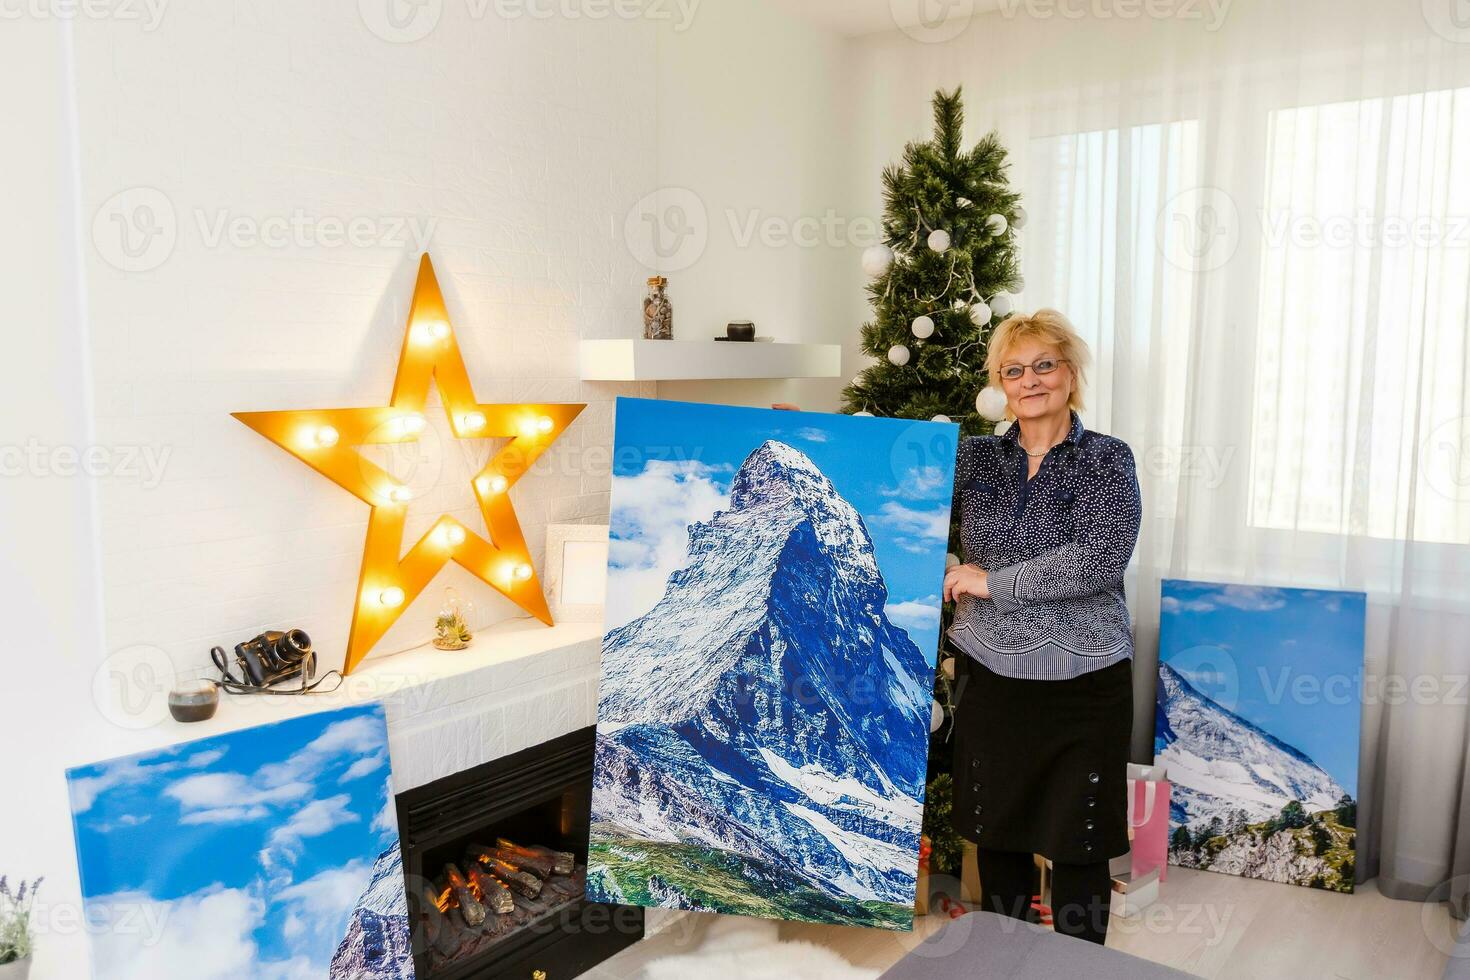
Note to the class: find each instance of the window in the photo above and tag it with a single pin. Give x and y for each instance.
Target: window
(1359, 414)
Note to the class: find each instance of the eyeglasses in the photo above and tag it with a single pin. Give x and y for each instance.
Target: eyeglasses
(1045, 365)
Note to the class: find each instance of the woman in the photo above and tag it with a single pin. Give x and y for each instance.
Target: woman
(1049, 514)
(1044, 708)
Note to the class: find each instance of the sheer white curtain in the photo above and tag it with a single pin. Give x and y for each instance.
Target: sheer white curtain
(1259, 214)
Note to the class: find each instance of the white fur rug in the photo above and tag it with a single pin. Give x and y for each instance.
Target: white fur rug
(740, 948)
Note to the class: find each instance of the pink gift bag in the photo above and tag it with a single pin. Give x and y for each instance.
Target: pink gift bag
(1148, 817)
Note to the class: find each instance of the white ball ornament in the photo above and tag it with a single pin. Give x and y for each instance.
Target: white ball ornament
(991, 404)
(1002, 427)
(951, 559)
(1001, 305)
(996, 224)
(866, 415)
(898, 355)
(1018, 219)
(964, 202)
(923, 327)
(936, 718)
(877, 260)
(939, 240)
(940, 418)
(980, 314)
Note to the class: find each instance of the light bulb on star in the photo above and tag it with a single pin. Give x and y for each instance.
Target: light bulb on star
(407, 425)
(392, 597)
(494, 483)
(472, 421)
(452, 534)
(325, 437)
(533, 426)
(432, 331)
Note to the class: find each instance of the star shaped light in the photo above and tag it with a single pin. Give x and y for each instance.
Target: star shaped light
(326, 440)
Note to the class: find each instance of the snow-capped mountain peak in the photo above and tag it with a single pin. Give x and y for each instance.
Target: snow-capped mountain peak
(1220, 762)
(785, 517)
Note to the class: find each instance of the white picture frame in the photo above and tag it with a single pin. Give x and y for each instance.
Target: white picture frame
(576, 571)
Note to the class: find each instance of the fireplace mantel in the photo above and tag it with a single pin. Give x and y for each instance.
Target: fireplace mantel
(517, 684)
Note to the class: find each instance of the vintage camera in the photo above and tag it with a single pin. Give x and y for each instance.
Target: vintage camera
(270, 658)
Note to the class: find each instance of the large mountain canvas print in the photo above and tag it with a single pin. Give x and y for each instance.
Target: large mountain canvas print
(772, 623)
(270, 852)
(1257, 721)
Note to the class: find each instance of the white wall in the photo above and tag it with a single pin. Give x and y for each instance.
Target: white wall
(510, 148)
(755, 123)
(50, 598)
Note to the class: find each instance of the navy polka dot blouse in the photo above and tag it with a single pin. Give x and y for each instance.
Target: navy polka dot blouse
(1055, 547)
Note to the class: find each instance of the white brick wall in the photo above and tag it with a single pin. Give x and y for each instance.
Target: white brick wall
(522, 143)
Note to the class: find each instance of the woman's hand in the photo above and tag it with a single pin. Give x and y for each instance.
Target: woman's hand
(966, 580)
(786, 407)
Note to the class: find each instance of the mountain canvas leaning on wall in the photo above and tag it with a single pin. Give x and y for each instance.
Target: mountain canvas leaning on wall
(1264, 767)
(763, 724)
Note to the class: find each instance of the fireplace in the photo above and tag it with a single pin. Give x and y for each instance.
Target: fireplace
(510, 837)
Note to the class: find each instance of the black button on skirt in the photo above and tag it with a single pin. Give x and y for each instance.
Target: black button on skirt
(1041, 766)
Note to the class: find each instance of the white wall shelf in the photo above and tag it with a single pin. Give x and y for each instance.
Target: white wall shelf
(698, 360)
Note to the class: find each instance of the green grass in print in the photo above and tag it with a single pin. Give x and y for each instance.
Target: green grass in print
(693, 876)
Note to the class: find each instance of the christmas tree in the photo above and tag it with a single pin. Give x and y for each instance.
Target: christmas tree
(940, 283)
(941, 280)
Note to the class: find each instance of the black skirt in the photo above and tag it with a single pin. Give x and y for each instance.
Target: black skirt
(1041, 766)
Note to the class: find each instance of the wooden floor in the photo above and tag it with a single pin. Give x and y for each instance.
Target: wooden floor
(1207, 924)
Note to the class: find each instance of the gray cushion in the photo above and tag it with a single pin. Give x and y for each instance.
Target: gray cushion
(986, 946)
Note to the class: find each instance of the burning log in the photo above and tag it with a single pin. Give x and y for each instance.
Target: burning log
(562, 862)
(495, 895)
(432, 904)
(519, 858)
(473, 911)
(527, 884)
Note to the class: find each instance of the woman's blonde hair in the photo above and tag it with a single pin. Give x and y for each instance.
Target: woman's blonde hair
(1045, 326)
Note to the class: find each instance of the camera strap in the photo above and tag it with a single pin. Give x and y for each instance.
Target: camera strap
(231, 684)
